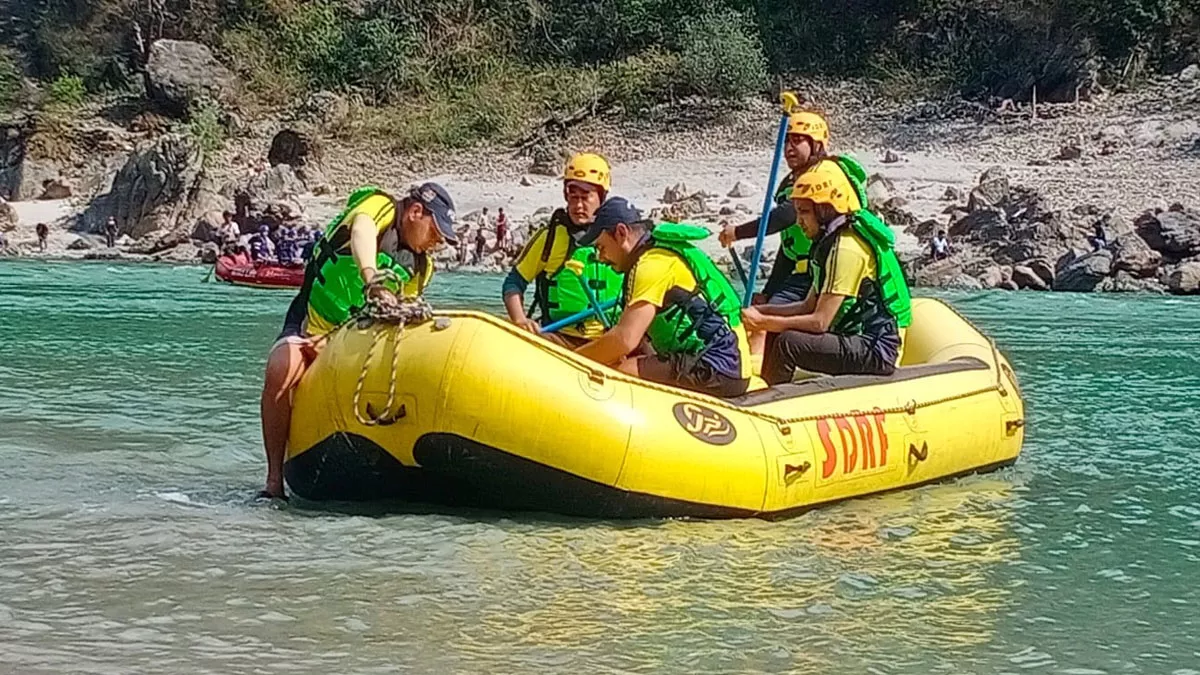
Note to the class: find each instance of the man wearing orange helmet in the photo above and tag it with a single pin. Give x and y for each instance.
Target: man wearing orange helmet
(559, 287)
(806, 149)
(854, 317)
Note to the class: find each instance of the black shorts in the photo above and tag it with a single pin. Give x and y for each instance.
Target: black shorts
(690, 371)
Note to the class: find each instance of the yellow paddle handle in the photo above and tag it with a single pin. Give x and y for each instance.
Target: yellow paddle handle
(789, 101)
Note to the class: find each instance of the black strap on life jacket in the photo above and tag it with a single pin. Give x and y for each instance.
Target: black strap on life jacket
(541, 283)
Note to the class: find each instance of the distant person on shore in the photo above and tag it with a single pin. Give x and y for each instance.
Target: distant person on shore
(3, 240)
(229, 233)
(464, 247)
(43, 233)
(558, 291)
(502, 231)
(480, 244)
(858, 309)
(939, 246)
(1098, 240)
(379, 251)
(262, 249)
(110, 232)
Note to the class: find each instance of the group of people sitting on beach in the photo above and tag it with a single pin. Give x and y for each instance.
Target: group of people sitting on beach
(624, 291)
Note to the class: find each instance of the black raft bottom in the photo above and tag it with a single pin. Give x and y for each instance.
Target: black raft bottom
(458, 472)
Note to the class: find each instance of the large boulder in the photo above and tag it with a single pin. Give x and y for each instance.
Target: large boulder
(1042, 268)
(1184, 279)
(1123, 282)
(1174, 233)
(880, 189)
(1132, 254)
(277, 184)
(180, 73)
(991, 277)
(1025, 277)
(152, 191)
(992, 192)
(1084, 273)
(982, 225)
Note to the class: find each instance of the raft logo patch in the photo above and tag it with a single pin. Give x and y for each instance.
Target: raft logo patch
(705, 424)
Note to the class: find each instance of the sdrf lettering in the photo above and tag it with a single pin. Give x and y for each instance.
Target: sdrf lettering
(858, 437)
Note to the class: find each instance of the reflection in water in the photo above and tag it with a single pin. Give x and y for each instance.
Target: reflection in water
(129, 445)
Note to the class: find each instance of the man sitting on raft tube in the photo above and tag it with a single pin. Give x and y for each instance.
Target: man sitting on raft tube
(856, 313)
(376, 249)
(559, 287)
(806, 149)
(675, 296)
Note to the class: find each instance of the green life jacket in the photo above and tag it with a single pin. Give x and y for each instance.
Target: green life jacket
(676, 328)
(888, 293)
(335, 283)
(793, 243)
(560, 294)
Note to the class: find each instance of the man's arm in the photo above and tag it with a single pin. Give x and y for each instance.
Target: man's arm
(782, 217)
(526, 267)
(364, 245)
(819, 320)
(622, 338)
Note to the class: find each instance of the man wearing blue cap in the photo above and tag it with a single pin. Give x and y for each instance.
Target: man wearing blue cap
(677, 298)
(376, 249)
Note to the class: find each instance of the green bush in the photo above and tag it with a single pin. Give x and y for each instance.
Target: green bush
(719, 55)
(67, 92)
(10, 80)
(206, 127)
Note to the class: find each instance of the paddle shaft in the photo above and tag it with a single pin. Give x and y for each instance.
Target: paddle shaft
(580, 316)
(594, 302)
(737, 266)
(768, 200)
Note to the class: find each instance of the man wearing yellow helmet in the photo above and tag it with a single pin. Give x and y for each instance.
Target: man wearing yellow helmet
(855, 315)
(806, 149)
(558, 287)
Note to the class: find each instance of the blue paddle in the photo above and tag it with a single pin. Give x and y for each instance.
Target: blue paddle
(580, 316)
(789, 102)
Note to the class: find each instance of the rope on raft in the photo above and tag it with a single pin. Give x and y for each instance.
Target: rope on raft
(384, 316)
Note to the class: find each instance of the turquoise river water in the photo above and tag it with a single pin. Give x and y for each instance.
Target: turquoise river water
(129, 450)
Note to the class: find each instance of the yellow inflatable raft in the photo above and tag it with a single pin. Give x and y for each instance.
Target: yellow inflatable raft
(467, 410)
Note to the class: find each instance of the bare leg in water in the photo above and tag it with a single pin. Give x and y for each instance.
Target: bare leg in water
(286, 364)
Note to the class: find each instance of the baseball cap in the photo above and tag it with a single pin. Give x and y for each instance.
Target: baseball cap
(613, 211)
(437, 201)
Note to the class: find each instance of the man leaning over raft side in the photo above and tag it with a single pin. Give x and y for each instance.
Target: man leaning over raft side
(855, 316)
(376, 248)
(675, 296)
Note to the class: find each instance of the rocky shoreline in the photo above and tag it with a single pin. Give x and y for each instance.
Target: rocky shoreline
(1019, 189)
(1006, 237)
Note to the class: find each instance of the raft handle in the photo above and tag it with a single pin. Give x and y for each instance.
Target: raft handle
(920, 454)
(596, 376)
(789, 469)
(386, 420)
(1011, 426)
